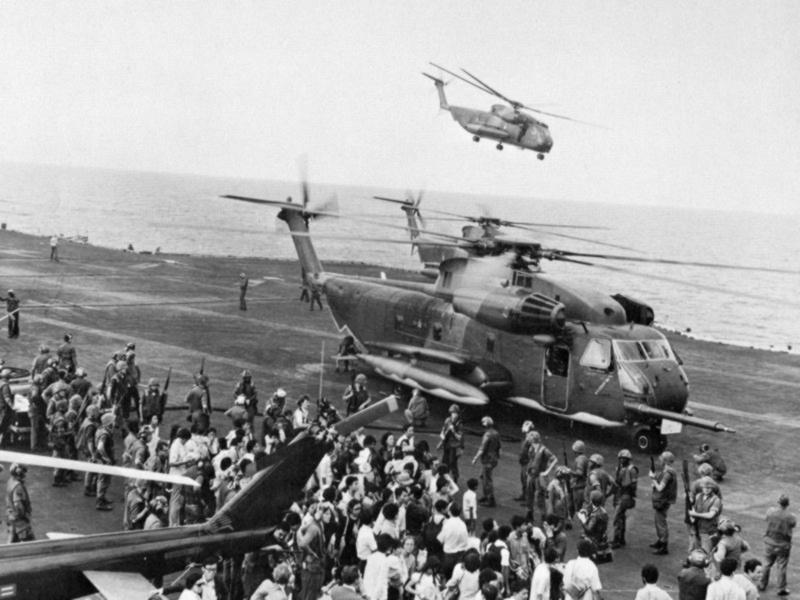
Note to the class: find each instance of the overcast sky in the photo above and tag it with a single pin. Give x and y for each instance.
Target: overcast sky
(702, 99)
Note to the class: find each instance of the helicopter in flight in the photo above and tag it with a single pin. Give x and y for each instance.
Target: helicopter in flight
(507, 123)
(475, 336)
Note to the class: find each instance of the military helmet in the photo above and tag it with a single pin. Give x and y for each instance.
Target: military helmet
(705, 469)
(597, 459)
(18, 470)
(667, 457)
(624, 453)
(107, 420)
(596, 497)
(698, 558)
(487, 421)
(202, 379)
(43, 349)
(246, 374)
(80, 372)
(578, 446)
(454, 409)
(152, 382)
(280, 393)
(67, 337)
(121, 365)
(92, 411)
(5, 374)
(361, 378)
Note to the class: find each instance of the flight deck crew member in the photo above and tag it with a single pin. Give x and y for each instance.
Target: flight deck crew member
(665, 493)
(542, 461)
(18, 506)
(524, 458)
(625, 478)
(54, 248)
(489, 455)
(41, 360)
(12, 308)
(67, 355)
(778, 543)
(243, 282)
(598, 479)
(316, 296)
(451, 440)
(104, 454)
(87, 450)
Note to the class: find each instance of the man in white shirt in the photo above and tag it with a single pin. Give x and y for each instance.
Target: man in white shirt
(651, 591)
(725, 588)
(180, 459)
(749, 580)
(540, 582)
(581, 577)
(365, 539)
(454, 538)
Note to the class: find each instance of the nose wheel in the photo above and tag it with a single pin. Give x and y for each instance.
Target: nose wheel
(540, 156)
(650, 441)
(475, 138)
(499, 146)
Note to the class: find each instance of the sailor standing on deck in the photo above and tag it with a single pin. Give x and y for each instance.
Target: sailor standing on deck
(243, 282)
(18, 506)
(12, 308)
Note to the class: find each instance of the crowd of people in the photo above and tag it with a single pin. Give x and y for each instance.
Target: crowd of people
(387, 517)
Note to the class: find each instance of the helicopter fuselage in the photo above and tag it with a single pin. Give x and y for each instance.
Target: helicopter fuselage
(587, 373)
(506, 127)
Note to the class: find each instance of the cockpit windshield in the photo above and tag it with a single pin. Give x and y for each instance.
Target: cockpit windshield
(642, 350)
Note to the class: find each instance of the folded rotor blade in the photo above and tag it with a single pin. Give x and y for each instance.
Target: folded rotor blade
(51, 462)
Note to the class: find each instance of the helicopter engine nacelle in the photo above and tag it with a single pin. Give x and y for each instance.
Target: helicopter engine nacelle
(635, 311)
(516, 311)
(506, 113)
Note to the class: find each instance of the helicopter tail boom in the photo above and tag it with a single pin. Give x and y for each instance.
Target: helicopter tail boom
(440, 89)
(298, 226)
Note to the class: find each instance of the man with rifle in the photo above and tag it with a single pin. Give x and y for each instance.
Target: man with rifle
(665, 492)
(705, 512)
(690, 491)
(154, 400)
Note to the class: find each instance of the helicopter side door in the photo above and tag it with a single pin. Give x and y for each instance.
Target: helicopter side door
(555, 377)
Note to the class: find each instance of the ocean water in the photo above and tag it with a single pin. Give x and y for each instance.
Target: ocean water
(185, 214)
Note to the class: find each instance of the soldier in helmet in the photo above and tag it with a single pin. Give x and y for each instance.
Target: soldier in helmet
(693, 581)
(247, 388)
(6, 404)
(85, 442)
(579, 472)
(104, 447)
(558, 498)
(356, 396)
(594, 521)
(108, 372)
(36, 413)
(67, 355)
(59, 432)
(626, 478)
(41, 360)
(665, 492)
(711, 456)
(489, 455)
(81, 386)
(598, 479)
(705, 511)
(153, 402)
(198, 400)
(451, 440)
(243, 283)
(18, 506)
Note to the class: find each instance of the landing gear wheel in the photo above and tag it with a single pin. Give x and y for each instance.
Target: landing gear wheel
(650, 441)
(475, 138)
(499, 146)
(540, 156)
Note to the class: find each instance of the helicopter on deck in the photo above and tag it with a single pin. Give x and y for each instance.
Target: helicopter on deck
(506, 123)
(474, 336)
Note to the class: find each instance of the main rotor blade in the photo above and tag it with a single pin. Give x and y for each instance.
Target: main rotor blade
(513, 103)
(667, 261)
(581, 239)
(50, 462)
(414, 242)
(465, 80)
(739, 293)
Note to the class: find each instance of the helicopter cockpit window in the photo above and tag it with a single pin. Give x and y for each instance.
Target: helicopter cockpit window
(597, 354)
(633, 351)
